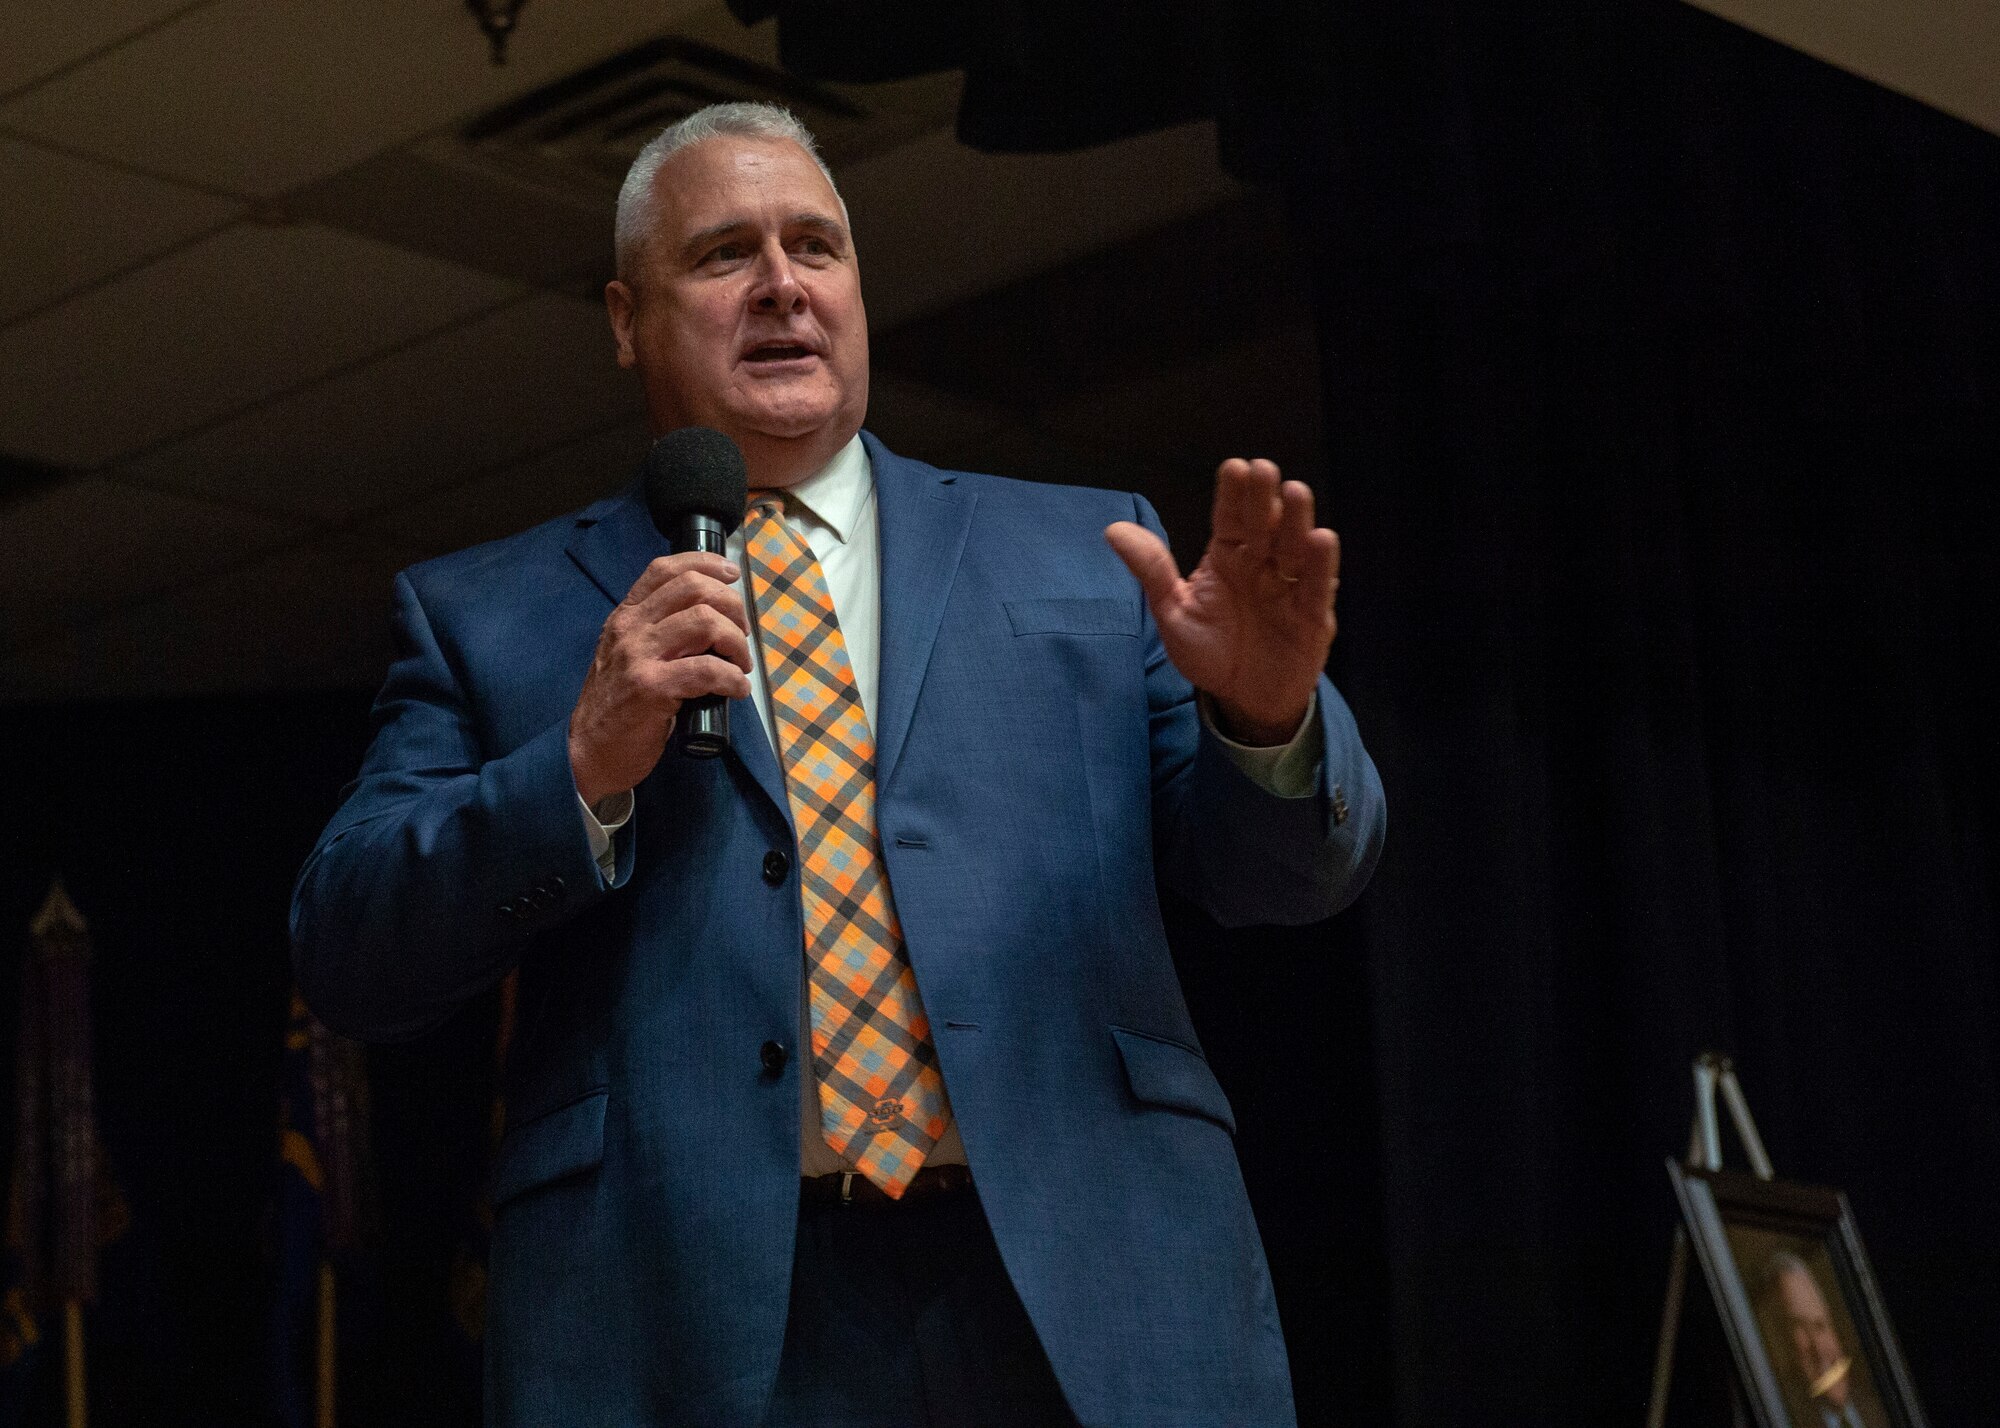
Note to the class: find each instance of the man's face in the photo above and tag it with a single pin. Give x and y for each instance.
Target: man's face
(1811, 1326)
(744, 311)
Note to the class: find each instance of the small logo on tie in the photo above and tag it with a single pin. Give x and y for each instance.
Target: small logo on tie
(886, 1112)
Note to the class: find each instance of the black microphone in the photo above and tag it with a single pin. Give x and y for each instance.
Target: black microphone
(696, 488)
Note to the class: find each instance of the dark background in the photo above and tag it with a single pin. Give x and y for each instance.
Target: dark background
(1660, 376)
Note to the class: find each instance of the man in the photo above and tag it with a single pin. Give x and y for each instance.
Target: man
(775, 1004)
(1820, 1375)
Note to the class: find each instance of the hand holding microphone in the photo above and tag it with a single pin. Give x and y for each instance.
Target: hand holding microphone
(678, 645)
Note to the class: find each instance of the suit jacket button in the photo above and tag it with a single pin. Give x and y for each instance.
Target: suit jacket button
(776, 865)
(773, 1055)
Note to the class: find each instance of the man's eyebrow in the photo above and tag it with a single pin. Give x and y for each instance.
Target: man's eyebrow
(819, 222)
(698, 241)
(816, 222)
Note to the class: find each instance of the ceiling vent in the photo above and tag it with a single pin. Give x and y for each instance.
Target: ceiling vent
(579, 134)
(525, 189)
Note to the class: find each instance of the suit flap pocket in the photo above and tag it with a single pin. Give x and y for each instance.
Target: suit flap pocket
(563, 1142)
(1073, 617)
(1165, 1073)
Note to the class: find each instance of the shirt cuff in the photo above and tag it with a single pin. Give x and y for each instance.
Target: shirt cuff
(1289, 770)
(599, 824)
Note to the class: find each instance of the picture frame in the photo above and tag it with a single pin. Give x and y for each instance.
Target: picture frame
(1811, 1340)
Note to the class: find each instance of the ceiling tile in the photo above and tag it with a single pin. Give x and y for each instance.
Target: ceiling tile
(258, 96)
(469, 217)
(528, 377)
(240, 316)
(311, 616)
(87, 221)
(44, 38)
(503, 502)
(70, 553)
(1943, 52)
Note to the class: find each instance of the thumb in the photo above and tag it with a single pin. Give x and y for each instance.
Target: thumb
(1149, 560)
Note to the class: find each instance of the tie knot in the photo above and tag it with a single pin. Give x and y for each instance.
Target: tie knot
(764, 503)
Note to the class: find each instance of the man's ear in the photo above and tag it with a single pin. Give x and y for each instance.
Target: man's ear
(623, 306)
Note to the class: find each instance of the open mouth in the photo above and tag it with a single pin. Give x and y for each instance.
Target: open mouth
(778, 352)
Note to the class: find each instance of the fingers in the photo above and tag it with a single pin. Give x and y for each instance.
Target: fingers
(1149, 560)
(709, 621)
(687, 605)
(678, 634)
(1318, 571)
(669, 568)
(1305, 557)
(1247, 509)
(683, 589)
(1264, 530)
(1294, 526)
(695, 675)
(699, 629)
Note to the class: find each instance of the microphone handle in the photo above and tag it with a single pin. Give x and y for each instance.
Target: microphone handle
(703, 729)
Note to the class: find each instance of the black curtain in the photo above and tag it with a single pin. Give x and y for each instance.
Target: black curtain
(1663, 410)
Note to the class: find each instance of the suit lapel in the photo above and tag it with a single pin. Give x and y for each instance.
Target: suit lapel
(616, 540)
(750, 750)
(618, 543)
(924, 515)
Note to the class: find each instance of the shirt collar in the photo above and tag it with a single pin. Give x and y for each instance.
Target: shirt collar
(837, 493)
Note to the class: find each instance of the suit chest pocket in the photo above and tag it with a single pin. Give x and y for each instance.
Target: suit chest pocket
(1083, 651)
(1080, 616)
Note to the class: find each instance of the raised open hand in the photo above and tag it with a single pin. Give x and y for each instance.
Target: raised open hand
(1250, 627)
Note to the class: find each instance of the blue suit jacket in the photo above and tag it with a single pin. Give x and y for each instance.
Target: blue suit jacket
(1039, 763)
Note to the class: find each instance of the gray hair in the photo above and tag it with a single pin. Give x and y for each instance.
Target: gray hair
(1783, 1263)
(636, 201)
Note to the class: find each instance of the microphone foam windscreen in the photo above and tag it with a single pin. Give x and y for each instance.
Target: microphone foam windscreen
(696, 471)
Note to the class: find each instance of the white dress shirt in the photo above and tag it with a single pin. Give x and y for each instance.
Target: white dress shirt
(833, 510)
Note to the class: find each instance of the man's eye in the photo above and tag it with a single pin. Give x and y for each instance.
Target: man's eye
(817, 246)
(726, 253)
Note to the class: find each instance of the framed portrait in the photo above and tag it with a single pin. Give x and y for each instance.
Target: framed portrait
(1812, 1344)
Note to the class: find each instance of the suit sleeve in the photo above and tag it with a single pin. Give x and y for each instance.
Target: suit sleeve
(440, 864)
(1240, 852)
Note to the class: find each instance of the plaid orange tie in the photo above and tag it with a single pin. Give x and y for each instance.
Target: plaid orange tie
(881, 1097)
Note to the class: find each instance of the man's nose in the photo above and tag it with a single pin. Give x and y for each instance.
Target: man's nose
(778, 288)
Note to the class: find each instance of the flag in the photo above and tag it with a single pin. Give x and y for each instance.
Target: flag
(325, 1200)
(467, 1287)
(62, 1205)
